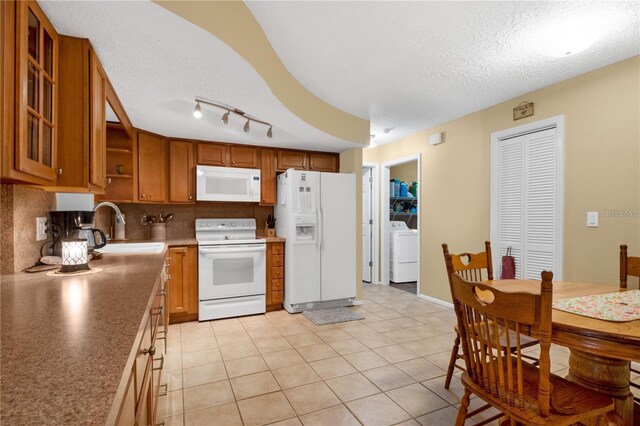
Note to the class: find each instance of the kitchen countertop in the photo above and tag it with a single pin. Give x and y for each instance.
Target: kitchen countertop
(273, 239)
(65, 341)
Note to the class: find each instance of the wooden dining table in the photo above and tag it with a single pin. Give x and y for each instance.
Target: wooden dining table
(601, 350)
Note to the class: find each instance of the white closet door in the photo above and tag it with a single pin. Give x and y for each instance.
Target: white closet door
(510, 206)
(527, 202)
(540, 203)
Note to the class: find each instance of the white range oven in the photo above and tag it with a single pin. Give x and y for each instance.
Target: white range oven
(231, 268)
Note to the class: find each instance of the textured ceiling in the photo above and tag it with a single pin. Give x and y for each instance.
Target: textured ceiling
(408, 66)
(158, 63)
(405, 66)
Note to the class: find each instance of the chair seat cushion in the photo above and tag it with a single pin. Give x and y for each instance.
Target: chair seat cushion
(570, 402)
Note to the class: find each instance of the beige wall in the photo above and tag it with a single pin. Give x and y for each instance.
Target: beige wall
(351, 162)
(407, 172)
(601, 172)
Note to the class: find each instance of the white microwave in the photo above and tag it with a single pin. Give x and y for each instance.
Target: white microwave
(227, 184)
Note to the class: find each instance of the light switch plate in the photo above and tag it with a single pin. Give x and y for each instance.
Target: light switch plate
(592, 219)
(41, 228)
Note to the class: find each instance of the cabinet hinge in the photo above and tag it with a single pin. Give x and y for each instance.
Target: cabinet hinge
(370, 221)
(370, 263)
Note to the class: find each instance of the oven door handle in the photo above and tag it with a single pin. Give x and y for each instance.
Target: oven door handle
(222, 250)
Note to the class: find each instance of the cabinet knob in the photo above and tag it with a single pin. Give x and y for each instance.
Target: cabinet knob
(59, 171)
(108, 180)
(143, 195)
(222, 161)
(150, 351)
(191, 197)
(233, 162)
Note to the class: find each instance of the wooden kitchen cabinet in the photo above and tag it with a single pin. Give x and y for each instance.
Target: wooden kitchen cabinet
(244, 156)
(82, 129)
(122, 165)
(324, 162)
(152, 168)
(268, 181)
(138, 405)
(289, 159)
(181, 172)
(224, 155)
(29, 94)
(213, 154)
(275, 276)
(182, 290)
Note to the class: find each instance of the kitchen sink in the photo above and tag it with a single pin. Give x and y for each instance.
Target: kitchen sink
(130, 248)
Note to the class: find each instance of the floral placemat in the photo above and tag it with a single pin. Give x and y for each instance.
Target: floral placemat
(618, 307)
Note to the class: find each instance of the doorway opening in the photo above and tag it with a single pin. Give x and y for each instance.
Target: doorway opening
(400, 248)
(370, 223)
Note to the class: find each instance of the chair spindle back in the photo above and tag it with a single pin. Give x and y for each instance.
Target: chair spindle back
(470, 266)
(629, 266)
(487, 318)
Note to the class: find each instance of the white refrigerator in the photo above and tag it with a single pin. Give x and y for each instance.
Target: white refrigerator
(316, 213)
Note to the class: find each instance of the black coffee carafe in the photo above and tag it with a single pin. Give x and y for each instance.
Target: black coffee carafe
(74, 224)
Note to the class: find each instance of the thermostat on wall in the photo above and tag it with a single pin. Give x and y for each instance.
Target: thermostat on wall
(436, 138)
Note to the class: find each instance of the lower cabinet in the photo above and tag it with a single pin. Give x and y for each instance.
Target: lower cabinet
(275, 276)
(182, 290)
(139, 404)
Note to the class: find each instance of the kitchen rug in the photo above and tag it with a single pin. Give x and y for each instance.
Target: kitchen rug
(332, 316)
(617, 307)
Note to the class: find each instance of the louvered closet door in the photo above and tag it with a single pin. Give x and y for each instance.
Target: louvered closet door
(527, 202)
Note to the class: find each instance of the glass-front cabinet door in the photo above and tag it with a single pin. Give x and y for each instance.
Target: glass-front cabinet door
(36, 92)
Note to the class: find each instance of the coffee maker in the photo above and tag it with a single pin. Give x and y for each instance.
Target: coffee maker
(74, 224)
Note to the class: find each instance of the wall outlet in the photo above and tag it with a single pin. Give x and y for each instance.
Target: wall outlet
(41, 228)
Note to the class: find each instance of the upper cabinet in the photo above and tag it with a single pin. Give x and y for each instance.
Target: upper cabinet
(267, 177)
(152, 168)
(181, 172)
(30, 90)
(244, 156)
(323, 162)
(289, 159)
(82, 129)
(214, 154)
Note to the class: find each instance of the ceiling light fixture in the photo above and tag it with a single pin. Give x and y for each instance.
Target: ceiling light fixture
(197, 112)
(228, 110)
(568, 37)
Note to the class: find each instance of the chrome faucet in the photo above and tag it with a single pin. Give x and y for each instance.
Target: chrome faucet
(119, 217)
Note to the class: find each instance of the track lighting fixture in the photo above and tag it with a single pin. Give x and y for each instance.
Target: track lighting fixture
(197, 112)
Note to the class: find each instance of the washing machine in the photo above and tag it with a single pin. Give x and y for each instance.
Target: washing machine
(403, 253)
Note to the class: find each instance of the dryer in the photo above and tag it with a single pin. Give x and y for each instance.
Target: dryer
(403, 253)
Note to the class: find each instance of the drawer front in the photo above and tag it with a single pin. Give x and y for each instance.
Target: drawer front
(278, 248)
(277, 296)
(277, 272)
(277, 284)
(277, 260)
(142, 360)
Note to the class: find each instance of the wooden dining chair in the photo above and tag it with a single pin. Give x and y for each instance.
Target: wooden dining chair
(524, 393)
(473, 267)
(629, 266)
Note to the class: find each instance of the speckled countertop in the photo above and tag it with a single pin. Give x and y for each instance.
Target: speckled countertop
(65, 341)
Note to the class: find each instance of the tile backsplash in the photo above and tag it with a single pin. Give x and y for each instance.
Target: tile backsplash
(183, 223)
(20, 205)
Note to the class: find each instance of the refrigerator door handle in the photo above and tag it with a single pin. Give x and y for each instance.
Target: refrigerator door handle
(320, 229)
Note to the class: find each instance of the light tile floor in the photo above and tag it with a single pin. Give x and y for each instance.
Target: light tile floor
(282, 369)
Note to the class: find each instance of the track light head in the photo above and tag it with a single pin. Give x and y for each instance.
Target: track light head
(246, 127)
(270, 132)
(197, 112)
(225, 118)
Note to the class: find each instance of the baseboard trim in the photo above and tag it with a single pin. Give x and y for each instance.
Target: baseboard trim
(436, 301)
(358, 302)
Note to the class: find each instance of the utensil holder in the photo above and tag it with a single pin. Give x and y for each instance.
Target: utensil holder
(269, 232)
(158, 231)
